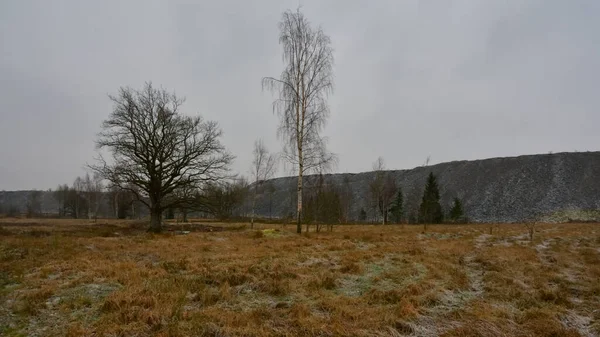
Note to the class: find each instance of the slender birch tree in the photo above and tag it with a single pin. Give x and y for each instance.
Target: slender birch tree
(264, 166)
(303, 88)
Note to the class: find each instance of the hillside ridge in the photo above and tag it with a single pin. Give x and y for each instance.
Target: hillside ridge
(541, 187)
(498, 189)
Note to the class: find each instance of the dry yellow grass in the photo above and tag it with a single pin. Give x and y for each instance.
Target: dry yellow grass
(76, 278)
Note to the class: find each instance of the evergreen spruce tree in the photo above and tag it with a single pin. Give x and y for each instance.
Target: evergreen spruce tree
(363, 215)
(397, 209)
(430, 210)
(456, 212)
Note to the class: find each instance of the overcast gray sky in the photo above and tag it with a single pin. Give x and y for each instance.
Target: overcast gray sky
(455, 80)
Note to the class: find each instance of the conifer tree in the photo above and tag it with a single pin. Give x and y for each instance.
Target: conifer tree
(363, 215)
(397, 209)
(456, 212)
(430, 210)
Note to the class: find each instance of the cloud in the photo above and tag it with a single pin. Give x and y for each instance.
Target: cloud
(453, 79)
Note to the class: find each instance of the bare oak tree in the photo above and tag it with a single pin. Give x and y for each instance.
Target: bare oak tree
(303, 88)
(263, 168)
(157, 150)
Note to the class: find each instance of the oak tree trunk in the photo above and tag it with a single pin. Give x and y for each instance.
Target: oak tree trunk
(155, 219)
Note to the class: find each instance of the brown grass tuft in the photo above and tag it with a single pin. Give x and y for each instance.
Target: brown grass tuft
(326, 280)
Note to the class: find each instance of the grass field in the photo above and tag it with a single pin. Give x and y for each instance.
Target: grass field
(76, 278)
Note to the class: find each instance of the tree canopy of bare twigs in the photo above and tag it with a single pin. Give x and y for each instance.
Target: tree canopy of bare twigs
(93, 194)
(34, 204)
(383, 188)
(224, 199)
(346, 199)
(323, 205)
(157, 151)
(264, 165)
(303, 88)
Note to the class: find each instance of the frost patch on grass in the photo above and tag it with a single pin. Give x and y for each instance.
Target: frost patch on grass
(79, 303)
(373, 277)
(542, 252)
(418, 275)
(503, 244)
(542, 246)
(93, 292)
(364, 246)
(578, 322)
(356, 285)
(453, 300)
(481, 240)
(520, 237)
(439, 236)
(430, 327)
(319, 261)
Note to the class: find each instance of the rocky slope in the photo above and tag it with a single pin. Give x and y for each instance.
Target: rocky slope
(532, 187)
